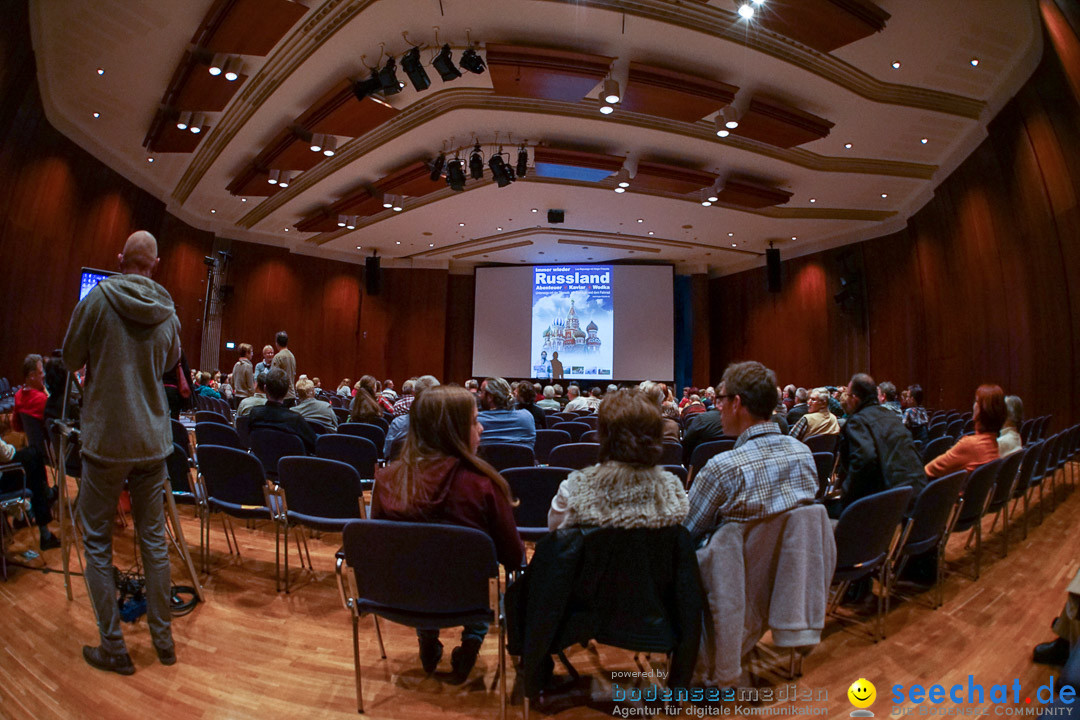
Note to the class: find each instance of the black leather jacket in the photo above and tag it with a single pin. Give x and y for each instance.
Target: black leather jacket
(634, 589)
(877, 453)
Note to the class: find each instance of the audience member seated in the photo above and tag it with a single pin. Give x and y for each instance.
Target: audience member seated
(243, 373)
(593, 399)
(779, 417)
(408, 395)
(549, 402)
(576, 402)
(1009, 440)
(439, 478)
(685, 400)
(695, 407)
(560, 397)
(669, 416)
(706, 427)
(501, 424)
(388, 390)
(818, 420)
(1066, 626)
(30, 398)
(256, 400)
(876, 451)
(364, 408)
(204, 388)
(473, 387)
(887, 398)
(311, 408)
(273, 415)
(526, 400)
(33, 465)
(801, 407)
(56, 385)
(626, 489)
(399, 427)
(787, 399)
(344, 389)
(971, 451)
(915, 418)
(766, 473)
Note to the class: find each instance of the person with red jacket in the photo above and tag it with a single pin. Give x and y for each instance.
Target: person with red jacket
(439, 479)
(31, 397)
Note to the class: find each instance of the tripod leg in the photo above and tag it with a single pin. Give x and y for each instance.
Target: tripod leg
(181, 543)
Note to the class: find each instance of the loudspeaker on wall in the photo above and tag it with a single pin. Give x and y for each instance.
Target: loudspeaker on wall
(373, 275)
(772, 263)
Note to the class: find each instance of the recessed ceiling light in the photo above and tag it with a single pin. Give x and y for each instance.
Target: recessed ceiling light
(149, 159)
(357, 247)
(641, 220)
(431, 244)
(731, 234)
(651, 232)
(925, 140)
(723, 132)
(286, 229)
(813, 200)
(847, 146)
(794, 238)
(746, 11)
(212, 211)
(97, 115)
(461, 224)
(896, 65)
(884, 195)
(606, 109)
(243, 199)
(498, 228)
(734, 244)
(974, 62)
(101, 71)
(620, 189)
(535, 210)
(397, 242)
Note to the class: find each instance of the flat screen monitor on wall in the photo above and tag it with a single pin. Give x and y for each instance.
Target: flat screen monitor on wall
(90, 279)
(602, 323)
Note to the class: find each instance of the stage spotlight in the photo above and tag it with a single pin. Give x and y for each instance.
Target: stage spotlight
(444, 65)
(476, 164)
(183, 121)
(272, 178)
(611, 91)
(197, 122)
(284, 178)
(350, 222)
(500, 171)
(388, 80)
(217, 64)
(410, 63)
(232, 69)
(471, 61)
(437, 166)
(388, 201)
(329, 146)
(455, 175)
(731, 117)
(316, 143)
(522, 162)
(362, 88)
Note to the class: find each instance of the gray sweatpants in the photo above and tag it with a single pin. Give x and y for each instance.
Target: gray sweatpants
(98, 496)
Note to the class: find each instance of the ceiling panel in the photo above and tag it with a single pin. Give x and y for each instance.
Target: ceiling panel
(747, 193)
(824, 25)
(338, 112)
(247, 27)
(775, 123)
(544, 73)
(668, 178)
(674, 95)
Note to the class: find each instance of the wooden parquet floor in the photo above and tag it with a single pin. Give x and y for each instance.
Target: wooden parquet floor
(250, 652)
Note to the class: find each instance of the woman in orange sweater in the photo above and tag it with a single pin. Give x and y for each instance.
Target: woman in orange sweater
(971, 451)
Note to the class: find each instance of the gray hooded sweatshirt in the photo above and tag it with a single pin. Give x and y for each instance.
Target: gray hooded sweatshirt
(127, 334)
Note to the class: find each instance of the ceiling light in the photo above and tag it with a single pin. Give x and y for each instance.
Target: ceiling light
(734, 244)
(341, 222)
(502, 173)
(388, 80)
(284, 178)
(388, 201)
(436, 166)
(925, 140)
(461, 224)
(620, 189)
(611, 91)
(731, 234)
(358, 247)
(431, 244)
(711, 198)
(213, 211)
(813, 200)
(705, 203)
(498, 228)
(444, 65)
(232, 68)
(606, 109)
(731, 117)
(397, 242)
(398, 203)
(476, 163)
(410, 63)
(101, 71)
(974, 62)
(472, 62)
(316, 142)
(641, 219)
(455, 175)
(884, 195)
(350, 222)
(522, 162)
(622, 178)
(847, 146)
(272, 178)
(794, 237)
(329, 148)
(97, 115)
(746, 11)
(243, 199)
(535, 210)
(149, 159)
(197, 122)
(651, 232)
(896, 65)
(217, 64)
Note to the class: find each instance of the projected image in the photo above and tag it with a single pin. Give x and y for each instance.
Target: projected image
(573, 322)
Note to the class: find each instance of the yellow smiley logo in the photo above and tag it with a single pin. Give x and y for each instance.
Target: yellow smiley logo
(862, 693)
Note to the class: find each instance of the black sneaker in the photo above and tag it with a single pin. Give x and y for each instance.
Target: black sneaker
(430, 653)
(97, 657)
(463, 658)
(166, 656)
(1055, 652)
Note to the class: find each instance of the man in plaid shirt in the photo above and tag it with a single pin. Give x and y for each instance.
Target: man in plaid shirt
(766, 473)
(401, 407)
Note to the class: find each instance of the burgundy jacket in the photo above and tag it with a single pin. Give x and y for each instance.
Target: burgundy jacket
(455, 496)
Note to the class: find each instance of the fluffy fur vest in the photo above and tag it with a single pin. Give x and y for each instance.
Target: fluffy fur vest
(614, 494)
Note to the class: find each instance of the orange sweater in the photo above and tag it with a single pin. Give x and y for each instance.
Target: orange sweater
(968, 453)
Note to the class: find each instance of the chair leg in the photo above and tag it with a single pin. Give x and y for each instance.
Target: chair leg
(307, 551)
(525, 708)
(277, 556)
(978, 546)
(502, 668)
(378, 636)
(1006, 527)
(356, 659)
(285, 531)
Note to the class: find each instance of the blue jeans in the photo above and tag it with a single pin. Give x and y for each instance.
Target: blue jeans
(476, 632)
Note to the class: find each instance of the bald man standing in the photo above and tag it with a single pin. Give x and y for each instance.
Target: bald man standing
(126, 333)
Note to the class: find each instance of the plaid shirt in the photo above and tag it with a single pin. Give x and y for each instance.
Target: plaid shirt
(764, 474)
(401, 407)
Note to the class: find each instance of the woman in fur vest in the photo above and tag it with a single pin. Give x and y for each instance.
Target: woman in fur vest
(627, 489)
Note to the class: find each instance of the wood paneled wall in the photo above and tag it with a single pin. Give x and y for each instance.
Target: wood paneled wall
(61, 209)
(982, 286)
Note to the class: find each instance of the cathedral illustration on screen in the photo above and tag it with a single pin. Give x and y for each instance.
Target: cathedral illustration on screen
(567, 337)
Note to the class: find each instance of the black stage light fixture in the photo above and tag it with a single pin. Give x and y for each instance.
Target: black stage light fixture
(444, 65)
(362, 88)
(523, 161)
(476, 164)
(472, 62)
(410, 63)
(388, 78)
(437, 166)
(455, 175)
(500, 171)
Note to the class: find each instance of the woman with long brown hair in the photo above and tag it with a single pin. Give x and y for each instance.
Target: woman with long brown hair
(364, 408)
(438, 478)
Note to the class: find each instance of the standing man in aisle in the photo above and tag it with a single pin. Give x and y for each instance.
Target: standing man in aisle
(287, 362)
(127, 335)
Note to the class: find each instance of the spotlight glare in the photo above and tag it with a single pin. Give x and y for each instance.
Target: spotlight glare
(896, 65)
(974, 62)
(746, 11)
(925, 140)
(101, 71)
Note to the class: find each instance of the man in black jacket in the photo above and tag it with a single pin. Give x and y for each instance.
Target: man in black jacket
(275, 416)
(876, 450)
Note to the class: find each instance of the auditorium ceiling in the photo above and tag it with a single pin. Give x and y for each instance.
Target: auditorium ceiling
(849, 113)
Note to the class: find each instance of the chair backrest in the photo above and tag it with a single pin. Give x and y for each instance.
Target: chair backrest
(340, 413)
(272, 445)
(678, 471)
(934, 448)
(591, 420)
(243, 430)
(672, 453)
(931, 513)
(180, 435)
(1039, 432)
(593, 436)
(381, 422)
(1025, 430)
(575, 455)
(534, 487)
(548, 439)
(358, 452)
(35, 434)
(223, 408)
(575, 429)
(865, 531)
(374, 433)
(320, 487)
(1031, 451)
(936, 430)
(969, 426)
(320, 428)
(822, 443)
(1039, 472)
(705, 451)
(825, 462)
(566, 416)
(420, 567)
(179, 470)
(1007, 474)
(955, 428)
(980, 483)
(507, 455)
(210, 416)
(232, 475)
(215, 433)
